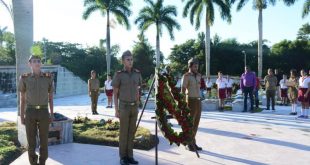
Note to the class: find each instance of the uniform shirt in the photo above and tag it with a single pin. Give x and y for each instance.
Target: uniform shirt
(209, 84)
(128, 84)
(229, 83)
(283, 84)
(191, 82)
(221, 83)
(94, 84)
(36, 88)
(108, 85)
(270, 82)
(304, 81)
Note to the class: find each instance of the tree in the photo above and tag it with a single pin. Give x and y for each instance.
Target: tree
(260, 5)
(306, 8)
(7, 7)
(143, 55)
(304, 32)
(195, 8)
(120, 9)
(23, 30)
(161, 16)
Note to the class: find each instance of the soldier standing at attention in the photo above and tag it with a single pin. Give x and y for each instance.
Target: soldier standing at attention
(36, 92)
(93, 91)
(191, 87)
(126, 84)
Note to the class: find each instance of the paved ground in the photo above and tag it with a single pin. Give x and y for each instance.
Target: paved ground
(227, 138)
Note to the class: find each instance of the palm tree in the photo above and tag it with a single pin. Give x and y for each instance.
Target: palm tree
(23, 30)
(260, 5)
(7, 7)
(306, 9)
(195, 10)
(161, 16)
(119, 8)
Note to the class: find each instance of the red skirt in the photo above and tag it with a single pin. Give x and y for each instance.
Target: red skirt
(283, 92)
(222, 93)
(301, 93)
(109, 92)
(229, 90)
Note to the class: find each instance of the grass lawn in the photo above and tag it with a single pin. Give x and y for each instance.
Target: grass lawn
(10, 148)
(107, 133)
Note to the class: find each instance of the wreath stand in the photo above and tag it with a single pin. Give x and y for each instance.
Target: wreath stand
(156, 123)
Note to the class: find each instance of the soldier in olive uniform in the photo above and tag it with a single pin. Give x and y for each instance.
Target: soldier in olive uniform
(126, 84)
(191, 87)
(36, 92)
(93, 91)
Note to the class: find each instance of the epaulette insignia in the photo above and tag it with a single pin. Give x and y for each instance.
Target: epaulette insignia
(25, 75)
(136, 70)
(187, 74)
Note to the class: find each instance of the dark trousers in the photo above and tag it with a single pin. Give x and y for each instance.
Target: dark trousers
(270, 96)
(248, 91)
(94, 100)
(128, 115)
(37, 119)
(194, 105)
(256, 98)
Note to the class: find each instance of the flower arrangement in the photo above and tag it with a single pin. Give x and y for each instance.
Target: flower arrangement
(170, 101)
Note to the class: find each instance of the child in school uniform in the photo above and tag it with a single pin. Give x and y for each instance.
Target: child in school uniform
(304, 93)
(209, 87)
(283, 89)
(221, 83)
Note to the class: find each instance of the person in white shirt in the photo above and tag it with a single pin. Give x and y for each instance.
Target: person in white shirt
(304, 93)
(109, 90)
(283, 88)
(209, 85)
(221, 87)
(229, 86)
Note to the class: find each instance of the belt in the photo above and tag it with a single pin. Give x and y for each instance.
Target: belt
(37, 107)
(95, 90)
(128, 103)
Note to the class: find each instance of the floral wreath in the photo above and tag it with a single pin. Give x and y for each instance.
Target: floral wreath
(170, 101)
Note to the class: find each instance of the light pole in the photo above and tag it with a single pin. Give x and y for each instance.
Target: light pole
(244, 58)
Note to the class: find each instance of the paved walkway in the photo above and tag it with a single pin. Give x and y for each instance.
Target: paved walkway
(227, 138)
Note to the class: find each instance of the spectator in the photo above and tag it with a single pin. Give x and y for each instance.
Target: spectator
(256, 89)
(293, 90)
(283, 92)
(229, 87)
(304, 93)
(209, 85)
(270, 81)
(247, 84)
(221, 87)
(202, 87)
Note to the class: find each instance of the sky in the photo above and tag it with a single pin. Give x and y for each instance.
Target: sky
(61, 21)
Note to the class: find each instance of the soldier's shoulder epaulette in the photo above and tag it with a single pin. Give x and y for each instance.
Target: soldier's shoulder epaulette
(25, 75)
(47, 74)
(136, 70)
(187, 74)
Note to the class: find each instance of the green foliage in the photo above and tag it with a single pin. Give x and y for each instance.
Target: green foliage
(92, 132)
(36, 50)
(120, 9)
(306, 8)
(7, 48)
(304, 32)
(160, 15)
(143, 55)
(9, 146)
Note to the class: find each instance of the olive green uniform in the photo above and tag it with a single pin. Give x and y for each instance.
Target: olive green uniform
(93, 85)
(271, 87)
(128, 96)
(191, 82)
(36, 89)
